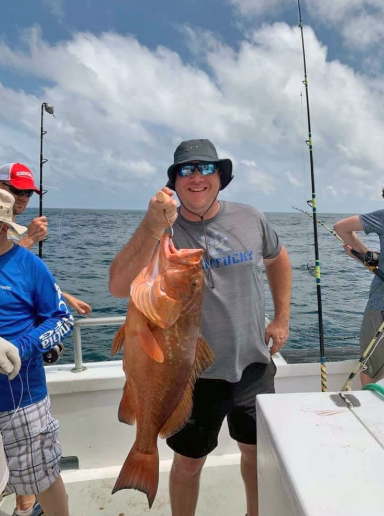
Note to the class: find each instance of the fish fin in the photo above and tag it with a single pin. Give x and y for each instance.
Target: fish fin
(118, 341)
(140, 471)
(126, 413)
(181, 413)
(149, 344)
(168, 309)
(204, 358)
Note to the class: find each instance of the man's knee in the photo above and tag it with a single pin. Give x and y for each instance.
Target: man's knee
(185, 467)
(248, 451)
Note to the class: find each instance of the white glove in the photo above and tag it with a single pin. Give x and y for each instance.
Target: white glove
(10, 362)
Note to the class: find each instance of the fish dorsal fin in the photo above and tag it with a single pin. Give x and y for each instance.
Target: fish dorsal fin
(204, 358)
(118, 341)
(126, 412)
(149, 344)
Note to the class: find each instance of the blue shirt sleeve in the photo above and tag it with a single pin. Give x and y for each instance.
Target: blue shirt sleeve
(373, 222)
(55, 321)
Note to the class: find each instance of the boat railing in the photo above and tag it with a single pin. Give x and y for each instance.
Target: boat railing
(89, 323)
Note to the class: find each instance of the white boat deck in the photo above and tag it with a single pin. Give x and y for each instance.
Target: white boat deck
(86, 405)
(221, 493)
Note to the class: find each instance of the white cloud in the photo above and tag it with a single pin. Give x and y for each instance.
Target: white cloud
(361, 22)
(252, 8)
(56, 7)
(122, 108)
(293, 180)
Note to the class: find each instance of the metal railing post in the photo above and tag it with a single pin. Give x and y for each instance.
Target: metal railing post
(87, 323)
(78, 351)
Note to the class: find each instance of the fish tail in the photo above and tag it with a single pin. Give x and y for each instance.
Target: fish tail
(140, 471)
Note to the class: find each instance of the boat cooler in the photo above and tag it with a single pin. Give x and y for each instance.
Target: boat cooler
(318, 455)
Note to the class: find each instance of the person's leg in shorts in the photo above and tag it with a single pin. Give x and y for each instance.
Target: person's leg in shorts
(194, 442)
(33, 453)
(213, 401)
(256, 379)
(375, 366)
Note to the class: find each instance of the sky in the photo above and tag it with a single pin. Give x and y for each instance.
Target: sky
(129, 80)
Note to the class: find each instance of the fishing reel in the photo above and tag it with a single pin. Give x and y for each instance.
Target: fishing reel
(53, 355)
(371, 259)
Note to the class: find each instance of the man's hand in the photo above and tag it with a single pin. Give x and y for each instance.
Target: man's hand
(10, 362)
(278, 331)
(161, 215)
(37, 231)
(80, 306)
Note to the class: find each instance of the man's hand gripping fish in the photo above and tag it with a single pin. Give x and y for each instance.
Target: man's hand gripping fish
(164, 353)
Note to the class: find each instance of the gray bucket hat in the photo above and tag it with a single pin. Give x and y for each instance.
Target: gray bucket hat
(199, 150)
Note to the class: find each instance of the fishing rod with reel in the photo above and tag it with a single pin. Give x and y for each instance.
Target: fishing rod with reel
(312, 203)
(370, 260)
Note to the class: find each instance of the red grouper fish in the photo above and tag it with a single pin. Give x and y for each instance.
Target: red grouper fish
(164, 353)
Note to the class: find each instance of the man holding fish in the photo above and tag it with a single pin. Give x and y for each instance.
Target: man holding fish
(236, 241)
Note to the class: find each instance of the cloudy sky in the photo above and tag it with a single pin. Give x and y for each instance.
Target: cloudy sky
(131, 79)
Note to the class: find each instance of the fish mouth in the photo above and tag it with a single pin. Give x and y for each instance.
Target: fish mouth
(185, 256)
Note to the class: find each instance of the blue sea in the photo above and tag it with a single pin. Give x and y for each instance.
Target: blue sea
(82, 243)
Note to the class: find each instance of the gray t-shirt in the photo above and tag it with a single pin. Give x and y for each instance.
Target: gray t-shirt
(238, 237)
(374, 223)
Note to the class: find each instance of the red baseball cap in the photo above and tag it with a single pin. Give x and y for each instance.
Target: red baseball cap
(19, 176)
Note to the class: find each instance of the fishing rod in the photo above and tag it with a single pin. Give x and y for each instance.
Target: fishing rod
(369, 260)
(49, 109)
(312, 203)
(365, 357)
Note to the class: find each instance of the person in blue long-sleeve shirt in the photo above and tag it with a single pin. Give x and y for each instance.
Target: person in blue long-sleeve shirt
(34, 318)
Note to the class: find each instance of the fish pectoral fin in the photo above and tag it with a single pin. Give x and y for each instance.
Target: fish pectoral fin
(149, 344)
(118, 341)
(126, 413)
(204, 358)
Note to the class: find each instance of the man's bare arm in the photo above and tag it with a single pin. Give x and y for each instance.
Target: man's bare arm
(279, 276)
(346, 228)
(138, 252)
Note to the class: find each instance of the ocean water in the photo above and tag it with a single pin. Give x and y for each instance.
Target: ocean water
(82, 243)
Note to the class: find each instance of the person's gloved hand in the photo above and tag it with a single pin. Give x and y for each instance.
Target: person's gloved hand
(10, 362)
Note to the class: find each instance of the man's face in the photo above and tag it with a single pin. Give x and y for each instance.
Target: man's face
(197, 192)
(21, 197)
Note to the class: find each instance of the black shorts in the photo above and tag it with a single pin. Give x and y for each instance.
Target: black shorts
(213, 400)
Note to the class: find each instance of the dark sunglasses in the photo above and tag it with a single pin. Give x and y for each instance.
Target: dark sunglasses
(16, 191)
(204, 167)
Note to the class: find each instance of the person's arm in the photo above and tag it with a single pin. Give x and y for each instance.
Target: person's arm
(55, 320)
(279, 276)
(37, 231)
(80, 306)
(138, 252)
(346, 228)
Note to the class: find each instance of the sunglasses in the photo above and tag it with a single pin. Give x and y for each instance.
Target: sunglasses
(16, 191)
(205, 168)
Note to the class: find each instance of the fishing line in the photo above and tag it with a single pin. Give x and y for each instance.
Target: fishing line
(305, 179)
(16, 409)
(369, 260)
(210, 280)
(314, 208)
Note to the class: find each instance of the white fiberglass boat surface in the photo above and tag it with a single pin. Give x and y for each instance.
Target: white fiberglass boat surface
(86, 404)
